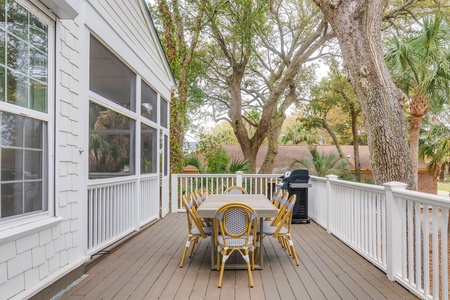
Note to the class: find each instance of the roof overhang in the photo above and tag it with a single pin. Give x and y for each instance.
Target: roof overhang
(64, 9)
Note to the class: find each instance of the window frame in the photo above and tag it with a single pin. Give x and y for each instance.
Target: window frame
(18, 225)
(136, 115)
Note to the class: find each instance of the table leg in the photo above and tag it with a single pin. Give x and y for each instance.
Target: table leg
(261, 244)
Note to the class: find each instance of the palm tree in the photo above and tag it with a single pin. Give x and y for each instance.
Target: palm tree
(434, 147)
(322, 164)
(421, 66)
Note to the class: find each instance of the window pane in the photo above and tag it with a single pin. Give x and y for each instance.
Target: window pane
(17, 54)
(32, 197)
(26, 39)
(38, 96)
(110, 78)
(11, 130)
(2, 45)
(164, 121)
(111, 143)
(148, 102)
(38, 34)
(32, 165)
(12, 164)
(17, 17)
(2, 84)
(12, 199)
(22, 163)
(17, 89)
(38, 65)
(149, 149)
(33, 134)
(2, 15)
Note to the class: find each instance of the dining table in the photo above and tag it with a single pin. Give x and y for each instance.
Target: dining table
(260, 204)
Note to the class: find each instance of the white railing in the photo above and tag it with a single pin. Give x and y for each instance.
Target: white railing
(118, 206)
(149, 191)
(420, 242)
(110, 213)
(217, 183)
(404, 233)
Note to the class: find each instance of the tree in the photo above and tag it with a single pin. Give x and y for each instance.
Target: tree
(333, 98)
(357, 25)
(321, 164)
(420, 64)
(434, 146)
(261, 52)
(180, 25)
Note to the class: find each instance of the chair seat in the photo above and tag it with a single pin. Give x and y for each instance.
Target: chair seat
(270, 230)
(207, 230)
(232, 242)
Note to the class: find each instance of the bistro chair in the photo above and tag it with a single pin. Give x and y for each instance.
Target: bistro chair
(235, 230)
(195, 226)
(280, 227)
(235, 189)
(197, 198)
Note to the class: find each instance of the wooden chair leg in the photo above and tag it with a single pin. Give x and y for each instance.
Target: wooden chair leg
(195, 241)
(188, 243)
(222, 268)
(249, 268)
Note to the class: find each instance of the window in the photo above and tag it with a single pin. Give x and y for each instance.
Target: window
(24, 111)
(148, 102)
(110, 78)
(149, 149)
(111, 143)
(164, 117)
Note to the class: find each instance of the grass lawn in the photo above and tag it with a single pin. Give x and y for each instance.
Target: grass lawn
(443, 186)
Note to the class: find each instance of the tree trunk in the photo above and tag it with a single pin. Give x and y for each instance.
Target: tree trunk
(414, 135)
(272, 140)
(354, 115)
(357, 25)
(333, 137)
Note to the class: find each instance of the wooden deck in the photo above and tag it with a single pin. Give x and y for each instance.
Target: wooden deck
(146, 267)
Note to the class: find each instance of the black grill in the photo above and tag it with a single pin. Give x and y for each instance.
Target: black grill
(296, 182)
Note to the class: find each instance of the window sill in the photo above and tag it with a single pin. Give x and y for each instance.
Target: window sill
(12, 233)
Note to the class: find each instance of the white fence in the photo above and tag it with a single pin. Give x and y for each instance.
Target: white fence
(217, 183)
(115, 211)
(404, 233)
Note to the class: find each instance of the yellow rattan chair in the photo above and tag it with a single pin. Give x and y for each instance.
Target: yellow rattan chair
(196, 228)
(235, 230)
(235, 189)
(280, 227)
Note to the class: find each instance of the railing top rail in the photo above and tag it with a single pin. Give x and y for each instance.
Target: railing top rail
(317, 178)
(359, 186)
(110, 181)
(261, 175)
(436, 200)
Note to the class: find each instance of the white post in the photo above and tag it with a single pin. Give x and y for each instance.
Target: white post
(393, 230)
(239, 178)
(174, 194)
(328, 204)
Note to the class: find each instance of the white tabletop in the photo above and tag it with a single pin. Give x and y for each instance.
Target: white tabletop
(262, 206)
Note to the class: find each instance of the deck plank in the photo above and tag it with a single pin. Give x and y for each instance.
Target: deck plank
(146, 267)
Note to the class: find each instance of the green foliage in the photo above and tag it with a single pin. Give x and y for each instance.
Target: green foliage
(422, 60)
(237, 164)
(299, 134)
(193, 160)
(434, 145)
(216, 159)
(322, 164)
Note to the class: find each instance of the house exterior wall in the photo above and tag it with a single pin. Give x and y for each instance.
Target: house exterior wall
(43, 250)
